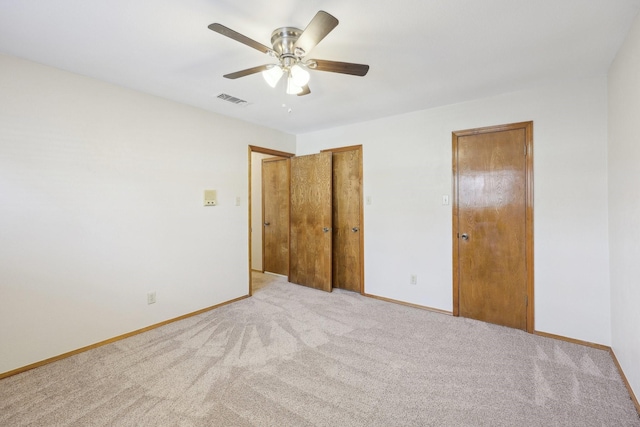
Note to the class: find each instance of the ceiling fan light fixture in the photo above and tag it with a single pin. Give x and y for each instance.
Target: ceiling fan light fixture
(299, 75)
(272, 75)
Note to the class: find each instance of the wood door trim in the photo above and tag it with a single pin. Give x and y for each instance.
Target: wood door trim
(256, 149)
(528, 128)
(351, 148)
(347, 148)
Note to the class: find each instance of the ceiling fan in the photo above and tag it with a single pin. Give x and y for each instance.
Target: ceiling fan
(290, 47)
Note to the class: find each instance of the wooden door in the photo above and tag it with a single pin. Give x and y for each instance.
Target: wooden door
(275, 215)
(311, 221)
(492, 224)
(347, 199)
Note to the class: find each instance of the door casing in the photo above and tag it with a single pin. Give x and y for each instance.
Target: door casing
(256, 149)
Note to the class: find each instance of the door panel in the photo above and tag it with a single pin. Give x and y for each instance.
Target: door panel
(275, 199)
(491, 204)
(346, 220)
(311, 221)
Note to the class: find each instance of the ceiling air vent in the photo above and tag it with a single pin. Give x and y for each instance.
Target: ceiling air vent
(232, 99)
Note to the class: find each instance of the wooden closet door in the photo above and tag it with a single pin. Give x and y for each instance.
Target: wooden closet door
(311, 221)
(275, 215)
(347, 198)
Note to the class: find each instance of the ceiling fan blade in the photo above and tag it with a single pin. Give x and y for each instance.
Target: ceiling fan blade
(321, 25)
(221, 29)
(246, 72)
(305, 90)
(340, 67)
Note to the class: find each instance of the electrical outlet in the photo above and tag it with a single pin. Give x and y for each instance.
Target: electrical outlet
(151, 297)
(413, 279)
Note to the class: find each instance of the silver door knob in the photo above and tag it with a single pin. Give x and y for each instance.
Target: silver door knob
(267, 223)
(465, 236)
(355, 229)
(326, 229)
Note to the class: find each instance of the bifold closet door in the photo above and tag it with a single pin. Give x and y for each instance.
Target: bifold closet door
(310, 250)
(347, 197)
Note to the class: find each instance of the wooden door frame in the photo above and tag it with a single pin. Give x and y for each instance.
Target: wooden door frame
(352, 148)
(528, 128)
(262, 150)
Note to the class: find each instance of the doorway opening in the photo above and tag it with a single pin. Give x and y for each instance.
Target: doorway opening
(256, 225)
(342, 226)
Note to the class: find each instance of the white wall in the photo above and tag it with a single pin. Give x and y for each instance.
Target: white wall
(101, 194)
(101, 201)
(407, 169)
(624, 204)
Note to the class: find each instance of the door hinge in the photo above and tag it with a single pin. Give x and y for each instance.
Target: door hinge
(525, 150)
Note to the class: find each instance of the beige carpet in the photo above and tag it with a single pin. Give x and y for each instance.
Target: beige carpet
(292, 356)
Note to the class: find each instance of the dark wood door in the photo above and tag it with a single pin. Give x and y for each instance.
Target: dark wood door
(275, 214)
(311, 221)
(491, 216)
(347, 198)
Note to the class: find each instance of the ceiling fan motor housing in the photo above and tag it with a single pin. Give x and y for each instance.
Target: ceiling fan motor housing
(283, 39)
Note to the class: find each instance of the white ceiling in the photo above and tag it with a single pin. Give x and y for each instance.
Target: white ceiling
(422, 53)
